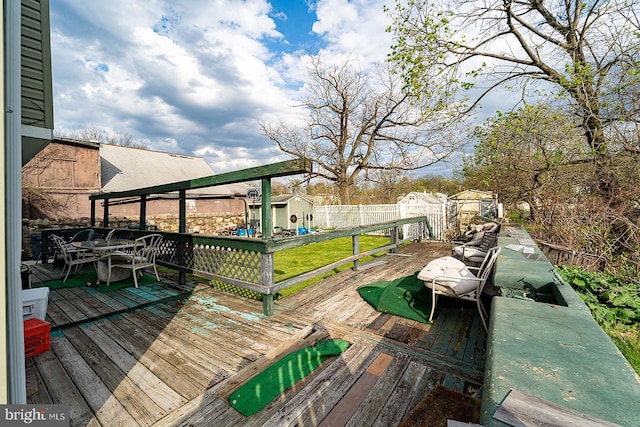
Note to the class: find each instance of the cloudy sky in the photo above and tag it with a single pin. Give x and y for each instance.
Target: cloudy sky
(196, 76)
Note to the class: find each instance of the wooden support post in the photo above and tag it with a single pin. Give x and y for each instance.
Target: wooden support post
(105, 214)
(143, 212)
(267, 219)
(93, 212)
(267, 304)
(394, 238)
(355, 243)
(267, 280)
(182, 228)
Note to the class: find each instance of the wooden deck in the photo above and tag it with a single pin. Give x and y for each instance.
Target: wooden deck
(166, 355)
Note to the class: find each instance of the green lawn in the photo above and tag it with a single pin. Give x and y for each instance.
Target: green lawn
(293, 262)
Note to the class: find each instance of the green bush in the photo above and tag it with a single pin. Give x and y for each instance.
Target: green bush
(613, 304)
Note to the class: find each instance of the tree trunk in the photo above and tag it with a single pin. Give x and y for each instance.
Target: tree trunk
(606, 181)
(343, 189)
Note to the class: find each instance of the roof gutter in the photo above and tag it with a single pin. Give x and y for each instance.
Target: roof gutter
(15, 392)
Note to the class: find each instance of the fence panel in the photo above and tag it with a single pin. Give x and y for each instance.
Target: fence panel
(345, 216)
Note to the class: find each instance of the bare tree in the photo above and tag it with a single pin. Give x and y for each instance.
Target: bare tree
(356, 121)
(100, 135)
(586, 51)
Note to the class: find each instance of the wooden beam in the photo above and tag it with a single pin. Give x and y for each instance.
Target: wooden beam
(105, 213)
(267, 280)
(143, 212)
(521, 409)
(93, 213)
(182, 226)
(266, 221)
(274, 170)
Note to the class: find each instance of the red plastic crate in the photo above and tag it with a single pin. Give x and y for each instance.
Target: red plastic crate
(36, 336)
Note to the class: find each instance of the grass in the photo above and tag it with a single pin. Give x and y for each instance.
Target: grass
(628, 341)
(294, 262)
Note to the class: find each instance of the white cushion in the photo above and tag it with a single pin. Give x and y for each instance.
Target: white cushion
(458, 280)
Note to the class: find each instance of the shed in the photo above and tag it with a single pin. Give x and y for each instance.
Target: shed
(423, 202)
(290, 212)
(434, 206)
(465, 206)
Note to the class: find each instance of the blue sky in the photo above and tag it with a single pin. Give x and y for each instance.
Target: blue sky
(294, 20)
(197, 76)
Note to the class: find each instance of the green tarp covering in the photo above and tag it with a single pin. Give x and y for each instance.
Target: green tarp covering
(256, 393)
(405, 297)
(76, 280)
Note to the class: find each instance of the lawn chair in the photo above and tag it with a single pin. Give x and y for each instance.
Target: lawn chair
(142, 255)
(474, 251)
(85, 235)
(72, 256)
(110, 235)
(448, 276)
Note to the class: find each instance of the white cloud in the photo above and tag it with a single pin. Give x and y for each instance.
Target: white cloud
(194, 77)
(358, 28)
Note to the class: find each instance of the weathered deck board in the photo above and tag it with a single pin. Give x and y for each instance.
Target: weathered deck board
(306, 408)
(134, 400)
(178, 373)
(398, 403)
(101, 401)
(176, 360)
(62, 390)
(144, 379)
(372, 405)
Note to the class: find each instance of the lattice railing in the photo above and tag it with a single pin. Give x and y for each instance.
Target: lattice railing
(228, 262)
(248, 262)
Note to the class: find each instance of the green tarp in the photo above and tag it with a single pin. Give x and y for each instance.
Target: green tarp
(405, 297)
(76, 280)
(256, 393)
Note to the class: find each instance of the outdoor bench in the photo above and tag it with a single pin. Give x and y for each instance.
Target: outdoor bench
(543, 341)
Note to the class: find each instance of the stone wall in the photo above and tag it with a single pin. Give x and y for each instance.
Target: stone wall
(201, 223)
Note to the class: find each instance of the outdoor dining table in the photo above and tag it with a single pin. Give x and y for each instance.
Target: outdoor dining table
(104, 249)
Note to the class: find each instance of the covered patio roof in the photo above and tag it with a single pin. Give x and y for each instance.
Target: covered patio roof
(264, 173)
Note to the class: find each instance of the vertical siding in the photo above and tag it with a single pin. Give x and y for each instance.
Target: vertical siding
(37, 93)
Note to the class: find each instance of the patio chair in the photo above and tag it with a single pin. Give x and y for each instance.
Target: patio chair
(87, 234)
(83, 235)
(72, 256)
(448, 276)
(474, 251)
(142, 255)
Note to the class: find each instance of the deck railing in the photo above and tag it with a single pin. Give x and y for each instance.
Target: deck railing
(248, 262)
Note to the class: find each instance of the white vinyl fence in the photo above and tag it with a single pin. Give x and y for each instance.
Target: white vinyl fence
(345, 216)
